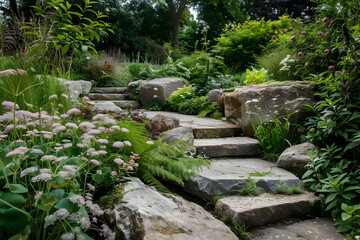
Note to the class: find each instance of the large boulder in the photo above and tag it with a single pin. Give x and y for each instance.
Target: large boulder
(179, 133)
(158, 90)
(269, 101)
(106, 106)
(133, 89)
(144, 213)
(165, 122)
(76, 87)
(296, 157)
(214, 95)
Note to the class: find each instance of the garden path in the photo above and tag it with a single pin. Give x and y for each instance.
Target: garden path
(235, 160)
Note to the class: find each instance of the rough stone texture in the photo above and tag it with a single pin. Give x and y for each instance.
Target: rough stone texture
(271, 100)
(133, 89)
(179, 133)
(227, 147)
(166, 121)
(148, 214)
(110, 89)
(8, 72)
(312, 229)
(230, 175)
(295, 157)
(158, 90)
(106, 96)
(125, 103)
(214, 95)
(104, 106)
(76, 88)
(203, 127)
(267, 208)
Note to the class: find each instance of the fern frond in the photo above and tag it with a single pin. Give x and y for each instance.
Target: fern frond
(163, 173)
(149, 179)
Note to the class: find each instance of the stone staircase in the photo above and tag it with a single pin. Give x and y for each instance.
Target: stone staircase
(113, 94)
(235, 160)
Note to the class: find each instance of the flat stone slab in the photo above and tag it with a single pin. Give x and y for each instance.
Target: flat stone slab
(124, 103)
(202, 127)
(230, 175)
(110, 89)
(227, 147)
(267, 207)
(106, 96)
(312, 229)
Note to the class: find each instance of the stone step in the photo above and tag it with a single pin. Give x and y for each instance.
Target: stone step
(110, 89)
(230, 175)
(124, 103)
(227, 147)
(311, 229)
(106, 96)
(202, 127)
(267, 208)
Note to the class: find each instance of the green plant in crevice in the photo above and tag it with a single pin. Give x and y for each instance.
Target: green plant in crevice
(272, 137)
(215, 199)
(251, 188)
(240, 231)
(283, 188)
(179, 96)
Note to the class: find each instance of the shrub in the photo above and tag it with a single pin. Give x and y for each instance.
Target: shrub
(256, 76)
(179, 96)
(239, 43)
(271, 58)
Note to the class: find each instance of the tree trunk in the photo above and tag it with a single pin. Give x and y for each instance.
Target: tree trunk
(175, 16)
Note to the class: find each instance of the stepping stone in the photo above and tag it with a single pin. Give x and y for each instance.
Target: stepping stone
(110, 89)
(202, 127)
(106, 96)
(312, 229)
(230, 175)
(227, 147)
(124, 103)
(267, 208)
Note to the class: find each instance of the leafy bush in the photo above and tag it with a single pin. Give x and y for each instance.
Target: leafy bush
(334, 171)
(179, 96)
(256, 76)
(239, 43)
(272, 59)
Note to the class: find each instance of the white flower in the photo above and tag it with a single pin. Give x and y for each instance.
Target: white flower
(48, 158)
(127, 143)
(255, 100)
(150, 142)
(67, 236)
(155, 96)
(42, 177)
(28, 171)
(118, 144)
(124, 130)
(119, 161)
(71, 125)
(95, 162)
(62, 213)
(17, 151)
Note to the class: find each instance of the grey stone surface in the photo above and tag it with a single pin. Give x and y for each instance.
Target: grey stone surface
(179, 133)
(167, 121)
(145, 214)
(269, 100)
(76, 88)
(267, 208)
(133, 89)
(110, 89)
(230, 175)
(106, 106)
(124, 104)
(296, 157)
(312, 229)
(106, 96)
(227, 147)
(214, 95)
(202, 127)
(158, 90)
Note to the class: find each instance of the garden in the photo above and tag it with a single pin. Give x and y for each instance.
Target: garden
(61, 159)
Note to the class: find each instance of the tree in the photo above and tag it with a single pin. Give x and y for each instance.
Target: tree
(176, 9)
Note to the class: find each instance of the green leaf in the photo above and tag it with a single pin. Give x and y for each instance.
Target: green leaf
(22, 235)
(106, 171)
(46, 203)
(17, 188)
(14, 199)
(72, 161)
(65, 49)
(13, 221)
(58, 193)
(64, 203)
(345, 216)
(4, 172)
(59, 180)
(330, 197)
(98, 178)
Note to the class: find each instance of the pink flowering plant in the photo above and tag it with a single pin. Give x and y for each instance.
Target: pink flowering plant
(56, 169)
